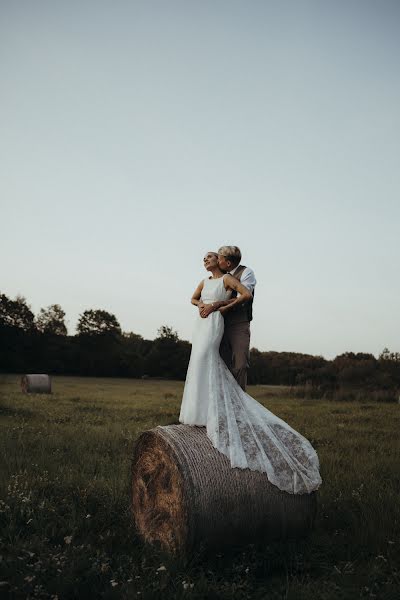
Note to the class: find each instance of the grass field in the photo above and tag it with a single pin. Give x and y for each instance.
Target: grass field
(66, 528)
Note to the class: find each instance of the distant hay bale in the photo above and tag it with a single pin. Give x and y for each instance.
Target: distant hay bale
(184, 492)
(36, 384)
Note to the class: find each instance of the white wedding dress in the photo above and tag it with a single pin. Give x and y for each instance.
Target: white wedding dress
(250, 435)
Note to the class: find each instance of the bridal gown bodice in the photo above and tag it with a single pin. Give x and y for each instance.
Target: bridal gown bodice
(249, 434)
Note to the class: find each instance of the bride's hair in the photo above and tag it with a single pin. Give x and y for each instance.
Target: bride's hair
(232, 253)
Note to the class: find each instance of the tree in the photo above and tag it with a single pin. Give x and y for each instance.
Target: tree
(386, 354)
(95, 322)
(51, 320)
(167, 333)
(389, 364)
(16, 313)
(168, 356)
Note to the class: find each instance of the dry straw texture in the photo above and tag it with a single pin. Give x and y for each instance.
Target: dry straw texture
(184, 493)
(36, 384)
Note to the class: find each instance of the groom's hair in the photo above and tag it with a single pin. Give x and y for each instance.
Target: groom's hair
(231, 253)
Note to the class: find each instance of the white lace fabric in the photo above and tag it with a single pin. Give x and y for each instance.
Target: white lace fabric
(250, 435)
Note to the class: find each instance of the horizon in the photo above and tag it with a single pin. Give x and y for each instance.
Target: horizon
(126, 333)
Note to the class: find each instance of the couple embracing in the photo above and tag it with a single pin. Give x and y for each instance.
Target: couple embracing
(214, 396)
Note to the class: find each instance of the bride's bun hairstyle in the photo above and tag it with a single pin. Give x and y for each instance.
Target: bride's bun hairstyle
(231, 253)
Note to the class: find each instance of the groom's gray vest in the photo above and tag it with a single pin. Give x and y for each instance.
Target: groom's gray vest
(243, 312)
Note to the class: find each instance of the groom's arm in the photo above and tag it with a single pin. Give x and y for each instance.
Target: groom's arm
(248, 279)
(207, 309)
(243, 294)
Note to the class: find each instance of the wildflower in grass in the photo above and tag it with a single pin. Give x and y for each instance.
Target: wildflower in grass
(3, 507)
(68, 539)
(187, 585)
(161, 568)
(113, 582)
(358, 492)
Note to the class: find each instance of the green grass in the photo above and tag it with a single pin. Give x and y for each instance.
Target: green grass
(65, 522)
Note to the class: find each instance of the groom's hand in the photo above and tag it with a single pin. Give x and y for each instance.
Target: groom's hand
(206, 310)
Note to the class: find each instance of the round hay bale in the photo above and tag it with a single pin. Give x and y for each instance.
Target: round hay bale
(36, 384)
(185, 493)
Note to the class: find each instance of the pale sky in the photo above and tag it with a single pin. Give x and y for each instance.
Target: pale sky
(136, 136)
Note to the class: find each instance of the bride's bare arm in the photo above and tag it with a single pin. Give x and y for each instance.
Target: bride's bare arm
(197, 295)
(231, 283)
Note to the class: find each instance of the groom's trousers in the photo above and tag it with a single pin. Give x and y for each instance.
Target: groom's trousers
(235, 350)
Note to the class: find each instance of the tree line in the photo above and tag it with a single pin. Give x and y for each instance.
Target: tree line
(40, 343)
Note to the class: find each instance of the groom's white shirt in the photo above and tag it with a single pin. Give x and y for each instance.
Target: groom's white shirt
(247, 278)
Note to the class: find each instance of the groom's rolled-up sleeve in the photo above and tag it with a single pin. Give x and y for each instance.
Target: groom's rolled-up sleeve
(248, 279)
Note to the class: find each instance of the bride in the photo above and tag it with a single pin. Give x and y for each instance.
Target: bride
(250, 435)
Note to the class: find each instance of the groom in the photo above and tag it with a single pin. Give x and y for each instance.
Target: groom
(235, 345)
